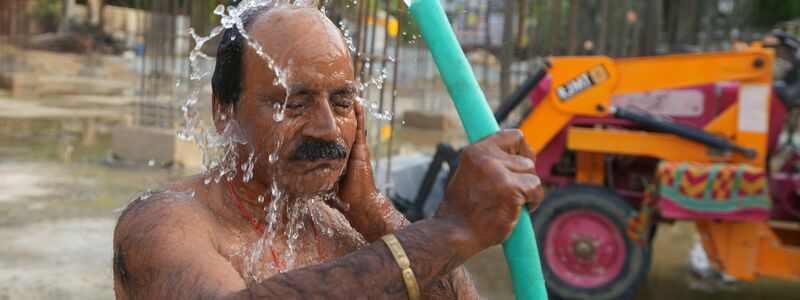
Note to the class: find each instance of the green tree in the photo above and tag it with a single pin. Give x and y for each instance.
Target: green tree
(768, 13)
(47, 9)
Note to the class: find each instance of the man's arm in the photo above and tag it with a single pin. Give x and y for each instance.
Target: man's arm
(372, 272)
(155, 259)
(373, 215)
(381, 218)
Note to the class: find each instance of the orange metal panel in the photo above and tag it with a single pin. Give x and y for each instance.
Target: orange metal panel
(638, 143)
(641, 74)
(736, 246)
(725, 123)
(590, 168)
(773, 259)
(793, 258)
(743, 253)
(567, 72)
(544, 122)
(744, 249)
(651, 73)
(756, 141)
(708, 244)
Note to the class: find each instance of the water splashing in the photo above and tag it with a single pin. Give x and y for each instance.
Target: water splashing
(219, 149)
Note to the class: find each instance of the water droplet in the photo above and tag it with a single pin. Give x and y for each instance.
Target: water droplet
(279, 112)
(275, 192)
(145, 195)
(278, 117)
(220, 10)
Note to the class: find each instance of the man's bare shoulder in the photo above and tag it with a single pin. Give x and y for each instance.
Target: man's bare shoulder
(163, 246)
(170, 206)
(156, 228)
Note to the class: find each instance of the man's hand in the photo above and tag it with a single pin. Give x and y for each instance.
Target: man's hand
(495, 178)
(369, 212)
(357, 187)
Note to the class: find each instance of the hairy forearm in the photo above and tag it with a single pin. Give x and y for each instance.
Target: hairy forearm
(434, 248)
(383, 219)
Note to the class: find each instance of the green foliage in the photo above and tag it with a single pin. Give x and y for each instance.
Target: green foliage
(769, 13)
(46, 9)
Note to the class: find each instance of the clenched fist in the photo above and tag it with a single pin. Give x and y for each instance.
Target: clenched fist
(495, 178)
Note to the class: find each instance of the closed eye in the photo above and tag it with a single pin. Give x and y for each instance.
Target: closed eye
(300, 98)
(344, 101)
(343, 97)
(293, 106)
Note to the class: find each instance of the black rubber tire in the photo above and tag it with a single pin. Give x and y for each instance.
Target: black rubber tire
(614, 207)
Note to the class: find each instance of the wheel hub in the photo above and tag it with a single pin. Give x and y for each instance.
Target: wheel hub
(584, 248)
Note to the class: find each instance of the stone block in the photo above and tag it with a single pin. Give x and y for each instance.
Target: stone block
(153, 146)
(23, 85)
(32, 86)
(431, 120)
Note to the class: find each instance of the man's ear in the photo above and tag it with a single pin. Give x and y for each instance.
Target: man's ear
(221, 113)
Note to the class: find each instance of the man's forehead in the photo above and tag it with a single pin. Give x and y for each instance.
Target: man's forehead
(294, 36)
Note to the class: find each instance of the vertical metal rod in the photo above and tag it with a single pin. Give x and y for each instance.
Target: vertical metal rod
(487, 45)
(382, 90)
(363, 10)
(371, 52)
(507, 49)
(143, 20)
(394, 95)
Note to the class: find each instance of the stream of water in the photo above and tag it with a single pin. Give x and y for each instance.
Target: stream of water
(219, 149)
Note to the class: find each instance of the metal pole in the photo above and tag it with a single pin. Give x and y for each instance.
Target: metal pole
(394, 94)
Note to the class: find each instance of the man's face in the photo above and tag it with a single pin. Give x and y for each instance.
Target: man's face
(313, 140)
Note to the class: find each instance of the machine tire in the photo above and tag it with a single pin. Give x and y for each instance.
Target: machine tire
(588, 208)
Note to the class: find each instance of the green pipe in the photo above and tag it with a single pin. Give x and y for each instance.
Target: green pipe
(522, 255)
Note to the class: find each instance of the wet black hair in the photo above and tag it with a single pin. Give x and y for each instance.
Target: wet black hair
(226, 83)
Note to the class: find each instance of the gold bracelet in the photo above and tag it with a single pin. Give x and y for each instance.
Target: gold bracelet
(404, 263)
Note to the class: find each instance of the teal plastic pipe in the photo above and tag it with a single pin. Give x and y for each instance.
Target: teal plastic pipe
(521, 252)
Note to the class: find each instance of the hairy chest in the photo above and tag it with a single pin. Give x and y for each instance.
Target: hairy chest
(296, 244)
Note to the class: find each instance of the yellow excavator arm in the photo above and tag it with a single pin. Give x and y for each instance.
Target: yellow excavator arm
(584, 86)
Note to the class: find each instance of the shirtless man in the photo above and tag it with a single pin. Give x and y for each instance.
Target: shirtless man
(193, 240)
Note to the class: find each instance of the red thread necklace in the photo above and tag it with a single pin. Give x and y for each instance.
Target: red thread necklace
(254, 221)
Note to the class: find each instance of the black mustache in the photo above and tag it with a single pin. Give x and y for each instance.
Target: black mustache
(316, 149)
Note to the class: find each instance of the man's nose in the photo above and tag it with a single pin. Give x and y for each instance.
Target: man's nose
(322, 124)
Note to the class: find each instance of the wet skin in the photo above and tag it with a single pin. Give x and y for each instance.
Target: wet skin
(174, 246)
(320, 104)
